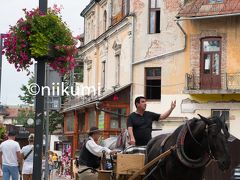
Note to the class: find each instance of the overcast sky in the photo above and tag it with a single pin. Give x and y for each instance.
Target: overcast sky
(10, 12)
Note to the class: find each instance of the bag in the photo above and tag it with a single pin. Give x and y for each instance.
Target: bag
(25, 157)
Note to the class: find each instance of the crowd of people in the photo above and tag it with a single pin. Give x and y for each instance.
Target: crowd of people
(17, 163)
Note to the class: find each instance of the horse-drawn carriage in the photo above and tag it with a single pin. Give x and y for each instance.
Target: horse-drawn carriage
(182, 155)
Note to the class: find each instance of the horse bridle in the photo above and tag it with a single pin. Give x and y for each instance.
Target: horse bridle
(209, 151)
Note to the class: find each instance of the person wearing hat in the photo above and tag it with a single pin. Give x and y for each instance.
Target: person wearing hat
(27, 156)
(10, 156)
(91, 153)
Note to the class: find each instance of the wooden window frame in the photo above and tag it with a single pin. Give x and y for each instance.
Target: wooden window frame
(151, 78)
(210, 52)
(149, 17)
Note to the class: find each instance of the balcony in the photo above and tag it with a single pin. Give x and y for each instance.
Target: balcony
(230, 84)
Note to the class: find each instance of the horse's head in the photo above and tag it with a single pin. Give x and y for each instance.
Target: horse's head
(217, 135)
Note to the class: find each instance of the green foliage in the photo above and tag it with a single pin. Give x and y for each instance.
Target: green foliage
(23, 116)
(3, 132)
(56, 120)
(27, 97)
(41, 36)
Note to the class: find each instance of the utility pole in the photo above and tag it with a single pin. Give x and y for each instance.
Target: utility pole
(39, 110)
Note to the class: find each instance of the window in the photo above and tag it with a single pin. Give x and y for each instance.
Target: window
(154, 16)
(69, 122)
(117, 78)
(103, 74)
(120, 9)
(78, 72)
(125, 7)
(215, 1)
(118, 120)
(219, 112)
(211, 55)
(92, 118)
(153, 83)
(58, 146)
(104, 21)
(81, 122)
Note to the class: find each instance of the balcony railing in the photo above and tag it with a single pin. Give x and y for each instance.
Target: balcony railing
(230, 84)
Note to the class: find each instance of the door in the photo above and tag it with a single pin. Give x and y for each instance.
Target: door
(210, 63)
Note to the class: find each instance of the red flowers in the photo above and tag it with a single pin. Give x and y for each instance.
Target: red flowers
(40, 35)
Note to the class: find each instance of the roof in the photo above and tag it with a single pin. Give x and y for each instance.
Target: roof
(12, 112)
(200, 8)
(88, 7)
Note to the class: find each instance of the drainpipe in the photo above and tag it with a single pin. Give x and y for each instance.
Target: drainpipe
(132, 15)
(169, 53)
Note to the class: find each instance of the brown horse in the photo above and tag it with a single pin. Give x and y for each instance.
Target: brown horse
(198, 141)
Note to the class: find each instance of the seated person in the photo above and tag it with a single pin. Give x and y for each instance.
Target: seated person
(90, 154)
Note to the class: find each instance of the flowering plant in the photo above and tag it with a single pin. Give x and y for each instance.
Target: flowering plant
(40, 36)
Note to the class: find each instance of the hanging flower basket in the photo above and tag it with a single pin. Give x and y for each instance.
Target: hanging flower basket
(40, 36)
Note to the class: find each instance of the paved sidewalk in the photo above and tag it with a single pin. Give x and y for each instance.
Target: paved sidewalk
(54, 176)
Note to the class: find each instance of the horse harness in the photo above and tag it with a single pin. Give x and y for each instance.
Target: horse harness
(191, 163)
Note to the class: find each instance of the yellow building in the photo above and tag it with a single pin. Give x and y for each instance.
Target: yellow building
(212, 59)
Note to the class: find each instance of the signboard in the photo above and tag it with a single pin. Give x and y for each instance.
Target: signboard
(101, 120)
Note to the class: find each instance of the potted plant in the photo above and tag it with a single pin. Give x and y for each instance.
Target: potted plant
(43, 37)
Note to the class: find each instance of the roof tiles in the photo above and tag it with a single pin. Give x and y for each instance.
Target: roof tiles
(199, 8)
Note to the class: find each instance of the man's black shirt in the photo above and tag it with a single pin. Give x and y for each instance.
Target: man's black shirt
(142, 126)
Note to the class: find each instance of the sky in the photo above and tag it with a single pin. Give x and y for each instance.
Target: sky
(10, 12)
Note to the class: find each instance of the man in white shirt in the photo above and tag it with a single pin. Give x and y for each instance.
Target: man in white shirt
(91, 153)
(9, 157)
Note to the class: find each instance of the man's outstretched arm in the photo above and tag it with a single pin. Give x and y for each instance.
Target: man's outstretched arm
(168, 112)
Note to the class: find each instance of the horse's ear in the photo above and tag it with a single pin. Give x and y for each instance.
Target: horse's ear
(206, 120)
(224, 126)
(222, 118)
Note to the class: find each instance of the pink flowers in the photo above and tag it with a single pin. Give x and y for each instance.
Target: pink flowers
(40, 35)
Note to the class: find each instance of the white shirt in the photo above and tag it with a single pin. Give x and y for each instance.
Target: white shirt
(9, 149)
(95, 148)
(25, 150)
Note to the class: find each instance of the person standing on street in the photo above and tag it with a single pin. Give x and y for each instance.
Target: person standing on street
(10, 156)
(27, 155)
(139, 123)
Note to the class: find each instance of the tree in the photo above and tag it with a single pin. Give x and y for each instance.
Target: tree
(27, 97)
(23, 116)
(55, 118)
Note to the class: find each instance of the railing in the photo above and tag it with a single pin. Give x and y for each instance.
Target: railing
(230, 82)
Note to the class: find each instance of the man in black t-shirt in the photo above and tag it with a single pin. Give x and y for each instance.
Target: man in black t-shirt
(140, 122)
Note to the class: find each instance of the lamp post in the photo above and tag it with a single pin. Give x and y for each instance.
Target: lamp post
(39, 111)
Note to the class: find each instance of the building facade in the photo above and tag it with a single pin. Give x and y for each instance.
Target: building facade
(163, 50)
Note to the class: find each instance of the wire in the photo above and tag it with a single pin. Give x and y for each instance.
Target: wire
(168, 85)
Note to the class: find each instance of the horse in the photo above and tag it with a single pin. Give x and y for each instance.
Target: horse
(119, 142)
(197, 142)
